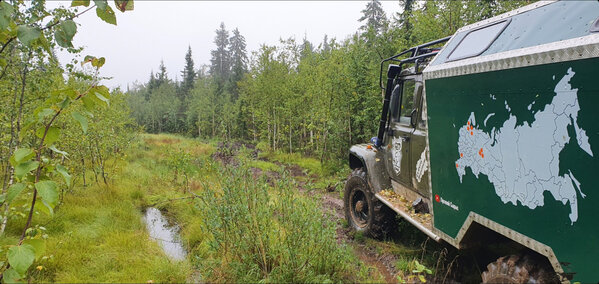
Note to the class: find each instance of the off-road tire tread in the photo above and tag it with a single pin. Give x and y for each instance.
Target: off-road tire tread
(518, 269)
(382, 219)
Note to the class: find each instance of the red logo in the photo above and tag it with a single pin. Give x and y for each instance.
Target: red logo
(437, 198)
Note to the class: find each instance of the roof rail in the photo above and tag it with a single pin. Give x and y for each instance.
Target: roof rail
(416, 53)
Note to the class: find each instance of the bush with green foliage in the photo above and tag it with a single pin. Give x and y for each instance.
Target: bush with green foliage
(40, 107)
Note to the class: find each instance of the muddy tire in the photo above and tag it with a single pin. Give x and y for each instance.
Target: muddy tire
(363, 211)
(518, 269)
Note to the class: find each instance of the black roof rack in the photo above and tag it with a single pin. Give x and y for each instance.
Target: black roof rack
(417, 53)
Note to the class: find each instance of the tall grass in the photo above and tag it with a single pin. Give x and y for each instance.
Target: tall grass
(263, 233)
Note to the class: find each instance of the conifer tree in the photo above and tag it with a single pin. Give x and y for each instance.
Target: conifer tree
(326, 46)
(375, 18)
(239, 59)
(162, 76)
(220, 62)
(188, 75)
(404, 17)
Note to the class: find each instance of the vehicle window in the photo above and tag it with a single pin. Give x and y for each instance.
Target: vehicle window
(407, 101)
(421, 106)
(477, 41)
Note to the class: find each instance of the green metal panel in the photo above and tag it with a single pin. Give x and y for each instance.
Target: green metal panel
(539, 131)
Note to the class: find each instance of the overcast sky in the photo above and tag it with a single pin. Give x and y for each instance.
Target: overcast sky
(158, 30)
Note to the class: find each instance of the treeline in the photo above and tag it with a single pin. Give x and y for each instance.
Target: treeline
(298, 96)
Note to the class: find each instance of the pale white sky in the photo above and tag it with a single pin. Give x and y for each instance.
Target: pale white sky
(158, 30)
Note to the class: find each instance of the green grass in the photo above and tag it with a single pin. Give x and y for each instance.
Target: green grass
(97, 233)
(312, 165)
(264, 165)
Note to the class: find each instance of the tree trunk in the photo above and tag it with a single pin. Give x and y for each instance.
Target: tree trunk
(83, 172)
(14, 138)
(254, 125)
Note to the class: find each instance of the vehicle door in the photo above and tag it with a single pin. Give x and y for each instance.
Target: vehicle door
(418, 147)
(399, 133)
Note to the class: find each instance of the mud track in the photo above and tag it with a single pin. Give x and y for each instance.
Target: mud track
(331, 205)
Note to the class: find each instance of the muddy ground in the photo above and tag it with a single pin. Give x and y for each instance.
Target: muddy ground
(374, 253)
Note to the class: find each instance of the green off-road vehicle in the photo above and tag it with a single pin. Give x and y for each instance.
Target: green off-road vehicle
(492, 136)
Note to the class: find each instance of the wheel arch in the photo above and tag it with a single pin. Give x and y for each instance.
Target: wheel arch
(356, 161)
(371, 160)
(477, 227)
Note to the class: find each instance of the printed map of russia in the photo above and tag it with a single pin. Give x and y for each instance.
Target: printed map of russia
(522, 161)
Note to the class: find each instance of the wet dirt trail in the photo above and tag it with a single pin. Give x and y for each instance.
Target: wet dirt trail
(381, 262)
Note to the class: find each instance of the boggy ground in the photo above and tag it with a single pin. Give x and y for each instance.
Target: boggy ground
(396, 258)
(97, 233)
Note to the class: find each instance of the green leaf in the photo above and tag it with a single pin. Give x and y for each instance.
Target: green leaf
(88, 58)
(52, 135)
(107, 15)
(101, 61)
(44, 113)
(98, 62)
(65, 32)
(21, 257)
(11, 276)
(88, 102)
(76, 3)
(26, 127)
(2, 198)
(81, 119)
(124, 5)
(28, 34)
(46, 45)
(22, 169)
(46, 209)
(65, 174)
(39, 247)
(103, 90)
(70, 92)
(65, 103)
(5, 14)
(47, 191)
(53, 148)
(102, 93)
(14, 191)
(421, 278)
(102, 4)
(23, 154)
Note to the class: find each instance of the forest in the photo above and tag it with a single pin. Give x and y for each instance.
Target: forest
(80, 162)
(316, 99)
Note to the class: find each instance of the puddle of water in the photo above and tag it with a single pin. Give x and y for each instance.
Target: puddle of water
(166, 235)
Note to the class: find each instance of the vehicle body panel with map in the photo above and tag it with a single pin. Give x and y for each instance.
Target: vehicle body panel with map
(493, 131)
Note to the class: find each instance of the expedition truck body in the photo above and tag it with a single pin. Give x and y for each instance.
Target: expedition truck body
(494, 134)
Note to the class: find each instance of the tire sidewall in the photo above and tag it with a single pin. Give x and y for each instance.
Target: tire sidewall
(357, 182)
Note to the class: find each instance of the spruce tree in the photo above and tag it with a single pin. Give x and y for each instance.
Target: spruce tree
(375, 18)
(403, 20)
(188, 75)
(326, 46)
(239, 60)
(220, 62)
(162, 77)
